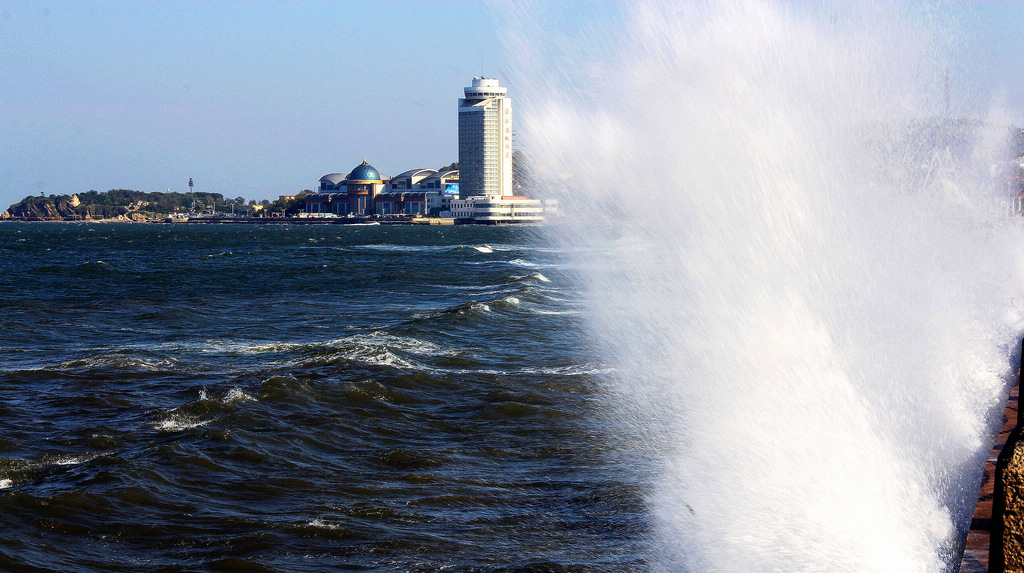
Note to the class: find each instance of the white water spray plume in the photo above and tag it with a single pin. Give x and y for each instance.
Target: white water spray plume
(805, 274)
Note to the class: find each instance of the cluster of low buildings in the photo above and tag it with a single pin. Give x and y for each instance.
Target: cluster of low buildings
(479, 191)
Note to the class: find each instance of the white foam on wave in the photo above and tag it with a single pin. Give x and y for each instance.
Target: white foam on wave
(374, 348)
(236, 395)
(571, 370)
(402, 248)
(404, 343)
(484, 249)
(179, 422)
(378, 356)
(319, 523)
(243, 347)
(104, 357)
(70, 460)
(6, 483)
(536, 310)
(380, 348)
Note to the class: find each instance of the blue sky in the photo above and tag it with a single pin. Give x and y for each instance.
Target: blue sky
(259, 99)
(254, 99)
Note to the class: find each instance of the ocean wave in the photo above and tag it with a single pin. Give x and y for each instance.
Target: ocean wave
(527, 298)
(319, 523)
(176, 314)
(200, 412)
(94, 268)
(571, 370)
(556, 312)
(71, 460)
(404, 343)
(471, 308)
(477, 287)
(369, 356)
(375, 339)
(486, 249)
(236, 395)
(123, 360)
(378, 348)
(403, 248)
(179, 422)
(15, 471)
(409, 459)
(321, 528)
(531, 264)
(286, 388)
(575, 370)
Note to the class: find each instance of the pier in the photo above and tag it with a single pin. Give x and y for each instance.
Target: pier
(993, 538)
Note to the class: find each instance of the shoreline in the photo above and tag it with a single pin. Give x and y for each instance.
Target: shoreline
(425, 222)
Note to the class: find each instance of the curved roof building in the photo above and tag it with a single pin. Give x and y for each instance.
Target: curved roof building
(410, 179)
(443, 176)
(416, 174)
(331, 181)
(441, 180)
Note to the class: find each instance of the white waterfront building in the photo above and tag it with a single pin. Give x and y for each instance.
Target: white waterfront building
(485, 140)
(508, 209)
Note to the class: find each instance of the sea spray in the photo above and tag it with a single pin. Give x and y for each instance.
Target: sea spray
(804, 276)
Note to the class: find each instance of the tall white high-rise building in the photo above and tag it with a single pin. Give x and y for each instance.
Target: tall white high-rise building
(485, 140)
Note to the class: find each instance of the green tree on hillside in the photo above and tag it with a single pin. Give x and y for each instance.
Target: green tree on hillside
(109, 204)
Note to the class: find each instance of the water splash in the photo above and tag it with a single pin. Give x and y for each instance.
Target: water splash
(802, 275)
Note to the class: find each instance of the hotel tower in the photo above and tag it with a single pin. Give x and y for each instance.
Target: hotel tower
(485, 140)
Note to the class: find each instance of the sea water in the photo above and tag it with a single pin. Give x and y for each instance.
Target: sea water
(302, 398)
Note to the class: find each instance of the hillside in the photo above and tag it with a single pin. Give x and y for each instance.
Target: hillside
(113, 204)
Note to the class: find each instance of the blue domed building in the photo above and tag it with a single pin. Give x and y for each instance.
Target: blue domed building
(344, 195)
(364, 172)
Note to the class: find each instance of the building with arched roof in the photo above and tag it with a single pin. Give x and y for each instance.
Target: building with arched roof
(445, 181)
(409, 179)
(330, 181)
(343, 195)
(419, 192)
